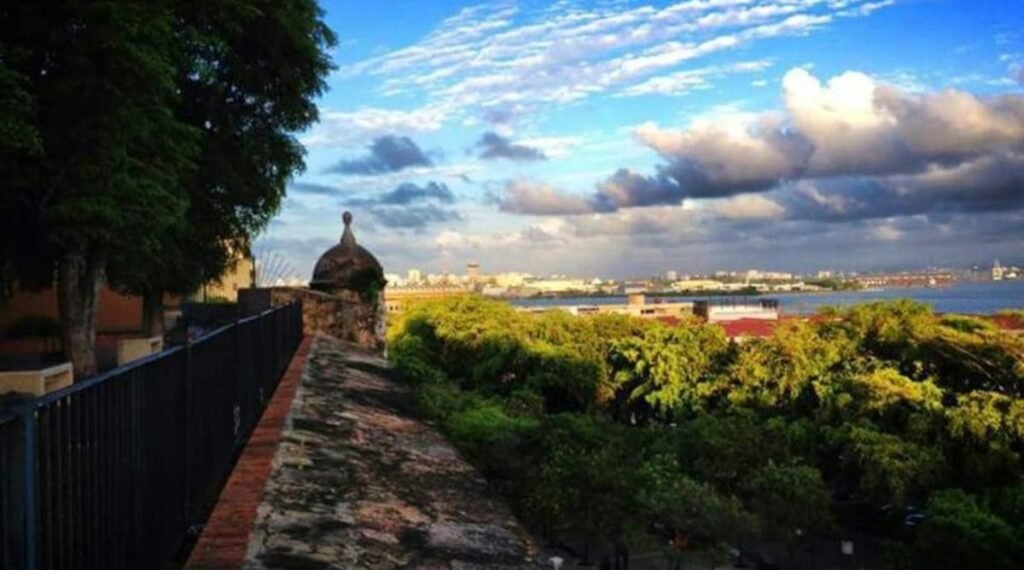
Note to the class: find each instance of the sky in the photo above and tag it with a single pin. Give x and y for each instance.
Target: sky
(624, 138)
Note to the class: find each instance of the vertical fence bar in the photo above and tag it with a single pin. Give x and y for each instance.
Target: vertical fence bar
(187, 426)
(28, 426)
(80, 469)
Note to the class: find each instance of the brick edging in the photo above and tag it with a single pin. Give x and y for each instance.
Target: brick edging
(225, 538)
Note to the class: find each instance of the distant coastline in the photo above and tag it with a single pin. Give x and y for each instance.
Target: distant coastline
(967, 297)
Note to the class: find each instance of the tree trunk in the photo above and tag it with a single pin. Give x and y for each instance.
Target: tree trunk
(153, 313)
(79, 276)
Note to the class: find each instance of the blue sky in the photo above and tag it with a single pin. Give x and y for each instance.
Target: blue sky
(619, 138)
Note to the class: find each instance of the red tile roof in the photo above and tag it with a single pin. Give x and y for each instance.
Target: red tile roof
(1008, 322)
(759, 328)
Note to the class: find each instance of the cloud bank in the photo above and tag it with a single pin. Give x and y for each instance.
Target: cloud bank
(410, 206)
(388, 154)
(848, 148)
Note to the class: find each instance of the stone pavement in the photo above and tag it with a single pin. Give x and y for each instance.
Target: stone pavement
(358, 482)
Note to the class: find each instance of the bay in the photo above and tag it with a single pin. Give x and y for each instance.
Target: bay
(968, 297)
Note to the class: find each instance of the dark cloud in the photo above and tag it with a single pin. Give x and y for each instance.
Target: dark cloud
(627, 189)
(408, 193)
(493, 146)
(410, 206)
(416, 217)
(313, 188)
(871, 151)
(987, 184)
(387, 154)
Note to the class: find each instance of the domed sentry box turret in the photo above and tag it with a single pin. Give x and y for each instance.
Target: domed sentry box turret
(348, 266)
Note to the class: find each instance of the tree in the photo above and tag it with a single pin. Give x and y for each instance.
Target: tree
(248, 73)
(582, 485)
(694, 513)
(888, 467)
(790, 500)
(667, 368)
(779, 370)
(111, 154)
(959, 532)
(165, 135)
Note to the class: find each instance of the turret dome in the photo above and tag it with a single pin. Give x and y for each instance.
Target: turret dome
(347, 265)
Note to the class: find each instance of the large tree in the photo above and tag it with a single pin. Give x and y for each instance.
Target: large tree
(165, 140)
(110, 155)
(248, 73)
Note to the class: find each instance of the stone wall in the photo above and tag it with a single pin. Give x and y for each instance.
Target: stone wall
(344, 315)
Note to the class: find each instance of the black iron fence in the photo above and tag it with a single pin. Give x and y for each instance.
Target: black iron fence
(119, 470)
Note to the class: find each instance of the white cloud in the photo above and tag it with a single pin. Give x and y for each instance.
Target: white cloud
(496, 55)
(345, 128)
(747, 207)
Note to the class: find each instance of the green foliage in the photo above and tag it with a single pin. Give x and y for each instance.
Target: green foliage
(368, 282)
(779, 370)
(960, 532)
(667, 368)
(146, 143)
(890, 468)
(790, 500)
(605, 428)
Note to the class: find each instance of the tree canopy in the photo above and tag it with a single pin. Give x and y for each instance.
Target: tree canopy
(146, 143)
(624, 431)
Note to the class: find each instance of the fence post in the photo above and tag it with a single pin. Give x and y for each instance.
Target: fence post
(187, 446)
(241, 397)
(31, 528)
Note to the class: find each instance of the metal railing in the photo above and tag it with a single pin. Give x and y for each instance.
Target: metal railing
(119, 470)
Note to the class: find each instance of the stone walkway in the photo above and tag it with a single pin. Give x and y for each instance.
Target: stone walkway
(358, 483)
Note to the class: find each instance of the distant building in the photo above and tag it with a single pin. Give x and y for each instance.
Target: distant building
(636, 306)
(543, 286)
(473, 273)
(510, 279)
(414, 276)
(734, 309)
(998, 271)
(671, 275)
(241, 274)
(698, 285)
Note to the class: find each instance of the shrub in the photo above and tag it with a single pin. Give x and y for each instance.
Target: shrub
(34, 326)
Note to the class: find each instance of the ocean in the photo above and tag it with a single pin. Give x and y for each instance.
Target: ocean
(969, 297)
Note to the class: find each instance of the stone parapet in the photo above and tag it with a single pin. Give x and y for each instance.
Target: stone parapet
(344, 315)
(359, 482)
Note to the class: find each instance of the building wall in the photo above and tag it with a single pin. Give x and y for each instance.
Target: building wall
(117, 312)
(238, 277)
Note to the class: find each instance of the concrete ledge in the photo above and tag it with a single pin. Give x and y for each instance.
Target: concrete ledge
(37, 382)
(130, 349)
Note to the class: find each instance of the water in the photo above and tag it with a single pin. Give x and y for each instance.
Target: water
(981, 297)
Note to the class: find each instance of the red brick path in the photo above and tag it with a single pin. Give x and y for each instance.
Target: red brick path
(226, 535)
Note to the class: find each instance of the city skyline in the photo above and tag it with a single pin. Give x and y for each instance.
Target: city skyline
(628, 138)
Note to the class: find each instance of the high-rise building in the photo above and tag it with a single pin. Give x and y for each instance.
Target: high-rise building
(473, 272)
(997, 271)
(671, 275)
(414, 276)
